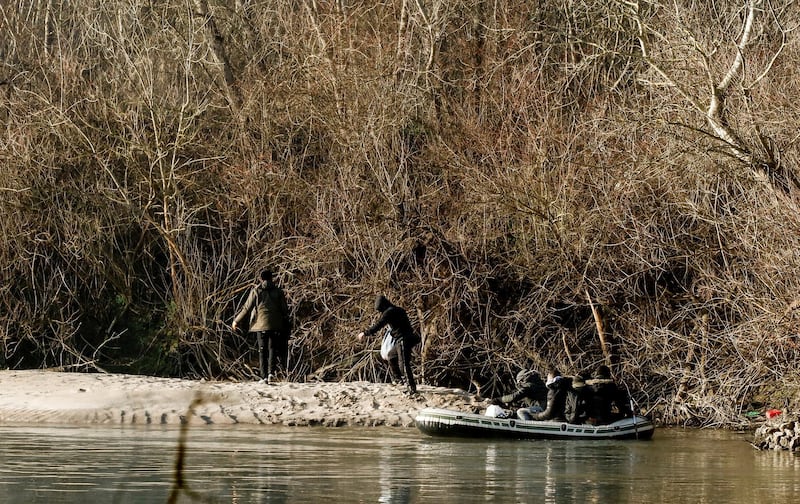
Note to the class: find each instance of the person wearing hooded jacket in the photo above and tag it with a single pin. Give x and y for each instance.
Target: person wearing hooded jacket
(576, 407)
(557, 388)
(605, 397)
(269, 319)
(403, 335)
(531, 391)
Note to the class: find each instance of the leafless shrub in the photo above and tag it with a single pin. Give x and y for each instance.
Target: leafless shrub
(515, 175)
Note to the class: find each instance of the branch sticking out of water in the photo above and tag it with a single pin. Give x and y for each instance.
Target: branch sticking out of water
(179, 485)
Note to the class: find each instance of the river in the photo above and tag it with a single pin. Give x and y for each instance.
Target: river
(242, 465)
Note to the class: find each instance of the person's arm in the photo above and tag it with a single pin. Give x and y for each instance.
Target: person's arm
(514, 396)
(284, 306)
(246, 309)
(623, 402)
(547, 414)
(383, 321)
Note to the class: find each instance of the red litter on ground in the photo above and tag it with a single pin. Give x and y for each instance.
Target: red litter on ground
(773, 413)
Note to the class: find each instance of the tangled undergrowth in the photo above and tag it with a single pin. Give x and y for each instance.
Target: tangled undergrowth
(580, 183)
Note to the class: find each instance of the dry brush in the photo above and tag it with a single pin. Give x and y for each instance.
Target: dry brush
(561, 182)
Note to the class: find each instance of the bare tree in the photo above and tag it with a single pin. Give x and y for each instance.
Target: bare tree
(216, 41)
(718, 76)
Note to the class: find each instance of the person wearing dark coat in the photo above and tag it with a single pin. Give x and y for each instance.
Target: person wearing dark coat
(269, 318)
(403, 335)
(557, 388)
(576, 409)
(605, 397)
(530, 392)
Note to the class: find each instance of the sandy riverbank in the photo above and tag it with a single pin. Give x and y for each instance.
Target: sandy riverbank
(79, 398)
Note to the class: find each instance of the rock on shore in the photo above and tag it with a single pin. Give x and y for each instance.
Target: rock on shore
(80, 398)
(780, 433)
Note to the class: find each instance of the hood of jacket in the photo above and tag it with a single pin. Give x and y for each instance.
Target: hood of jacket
(381, 303)
(527, 376)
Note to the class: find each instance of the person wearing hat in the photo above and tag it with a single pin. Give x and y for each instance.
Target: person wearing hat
(268, 314)
(405, 338)
(605, 397)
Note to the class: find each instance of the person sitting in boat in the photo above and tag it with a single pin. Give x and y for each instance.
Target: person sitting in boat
(576, 405)
(557, 387)
(531, 391)
(607, 403)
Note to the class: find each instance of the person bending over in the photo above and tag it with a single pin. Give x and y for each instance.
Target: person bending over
(404, 336)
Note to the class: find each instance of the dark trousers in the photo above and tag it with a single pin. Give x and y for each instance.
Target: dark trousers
(272, 350)
(400, 358)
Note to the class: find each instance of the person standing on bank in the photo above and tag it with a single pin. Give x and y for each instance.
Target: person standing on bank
(269, 318)
(404, 337)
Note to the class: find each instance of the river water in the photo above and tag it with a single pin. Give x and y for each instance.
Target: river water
(46, 464)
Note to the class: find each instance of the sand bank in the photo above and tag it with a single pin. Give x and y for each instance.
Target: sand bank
(80, 398)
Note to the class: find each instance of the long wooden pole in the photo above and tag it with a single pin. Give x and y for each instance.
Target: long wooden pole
(598, 322)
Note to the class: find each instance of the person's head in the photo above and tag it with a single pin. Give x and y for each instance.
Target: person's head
(552, 373)
(527, 376)
(602, 372)
(381, 303)
(266, 275)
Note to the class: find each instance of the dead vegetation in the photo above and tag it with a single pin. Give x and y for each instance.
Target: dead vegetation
(575, 182)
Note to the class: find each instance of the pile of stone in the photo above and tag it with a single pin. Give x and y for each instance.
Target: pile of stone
(779, 433)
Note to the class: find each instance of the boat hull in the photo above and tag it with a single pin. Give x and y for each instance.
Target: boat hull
(448, 423)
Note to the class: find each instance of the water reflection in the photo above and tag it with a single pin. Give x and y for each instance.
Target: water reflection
(550, 481)
(392, 466)
(269, 478)
(394, 488)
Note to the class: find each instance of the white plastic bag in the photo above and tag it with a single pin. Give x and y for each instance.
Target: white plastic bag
(387, 344)
(494, 411)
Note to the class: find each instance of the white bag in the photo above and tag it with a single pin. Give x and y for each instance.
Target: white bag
(494, 411)
(387, 344)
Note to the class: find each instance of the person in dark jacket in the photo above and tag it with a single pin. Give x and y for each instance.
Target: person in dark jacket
(576, 408)
(557, 387)
(404, 337)
(605, 398)
(269, 318)
(530, 392)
